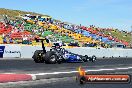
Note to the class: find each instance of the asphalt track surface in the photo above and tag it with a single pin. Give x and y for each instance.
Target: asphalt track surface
(28, 66)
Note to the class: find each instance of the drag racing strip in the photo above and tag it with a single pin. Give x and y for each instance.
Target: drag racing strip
(27, 70)
(15, 77)
(49, 75)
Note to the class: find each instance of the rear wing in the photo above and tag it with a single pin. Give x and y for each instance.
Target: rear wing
(43, 47)
(38, 40)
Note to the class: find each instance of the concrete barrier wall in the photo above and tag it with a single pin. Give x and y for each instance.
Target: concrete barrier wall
(109, 52)
(27, 51)
(12, 51)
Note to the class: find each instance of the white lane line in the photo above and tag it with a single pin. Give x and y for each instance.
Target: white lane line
(100, 70)
(106, 65)
(126, 68)
(53, 73)
(129, 67)
(68, 72)
(122, 68)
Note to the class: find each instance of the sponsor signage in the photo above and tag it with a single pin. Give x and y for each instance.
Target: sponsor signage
(2, 51)
(102, 78)
(12, 51)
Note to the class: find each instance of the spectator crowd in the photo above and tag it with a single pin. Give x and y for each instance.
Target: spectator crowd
(24, 29)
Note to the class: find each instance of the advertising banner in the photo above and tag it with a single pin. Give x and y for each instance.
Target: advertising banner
(2, 51)
(12, 51)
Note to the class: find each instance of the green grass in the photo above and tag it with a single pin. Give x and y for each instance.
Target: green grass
(120, 36)
(16, 13)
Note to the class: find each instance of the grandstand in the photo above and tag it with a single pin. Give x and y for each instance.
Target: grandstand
(25, 27)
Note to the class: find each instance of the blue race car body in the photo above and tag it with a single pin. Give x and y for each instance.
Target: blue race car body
(67, 56)
(72, 58)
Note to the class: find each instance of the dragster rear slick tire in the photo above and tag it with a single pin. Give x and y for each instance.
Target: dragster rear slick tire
(38, 56)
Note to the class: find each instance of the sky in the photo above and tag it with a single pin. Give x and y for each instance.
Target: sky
(101, 13)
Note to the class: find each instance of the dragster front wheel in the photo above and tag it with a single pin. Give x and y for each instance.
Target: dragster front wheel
(50, 57)
(94, 58)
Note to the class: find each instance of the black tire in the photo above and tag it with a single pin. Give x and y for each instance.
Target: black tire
(50, 57)
(93, 58)
(38, 56)
(63, 51)
(60, 59)
(84, 58)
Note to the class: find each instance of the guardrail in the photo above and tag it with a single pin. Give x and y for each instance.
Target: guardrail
(28, 51)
